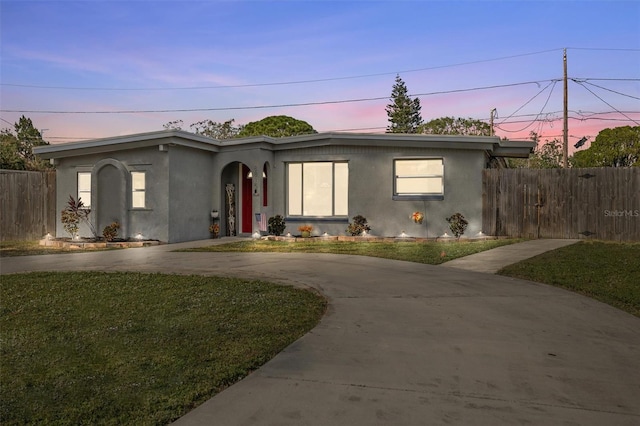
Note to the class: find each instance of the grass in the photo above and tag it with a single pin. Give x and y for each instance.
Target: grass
(129, 348)
(432, 253)
(32, 248)
(606, 271)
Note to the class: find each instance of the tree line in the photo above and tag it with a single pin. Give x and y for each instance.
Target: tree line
(614, 147)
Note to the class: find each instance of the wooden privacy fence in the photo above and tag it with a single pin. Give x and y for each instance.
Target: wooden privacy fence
(597, 203)
(27, 204)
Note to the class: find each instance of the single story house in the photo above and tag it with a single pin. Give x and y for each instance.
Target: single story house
(166, 185)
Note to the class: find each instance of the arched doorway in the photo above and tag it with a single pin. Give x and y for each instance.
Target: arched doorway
(111, 201)
(237, 199)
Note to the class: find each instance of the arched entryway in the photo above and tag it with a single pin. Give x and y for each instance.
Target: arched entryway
(110, 199)
(237, 199)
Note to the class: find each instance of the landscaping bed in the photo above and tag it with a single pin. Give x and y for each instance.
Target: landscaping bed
(93, 244)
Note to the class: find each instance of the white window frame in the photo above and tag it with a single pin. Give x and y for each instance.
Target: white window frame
(296, 193)
(430, 178)
(137, 190)
(84, 188)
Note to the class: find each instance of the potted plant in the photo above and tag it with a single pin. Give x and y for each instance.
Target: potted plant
(417, 217)
(305, 230)
(214, 230)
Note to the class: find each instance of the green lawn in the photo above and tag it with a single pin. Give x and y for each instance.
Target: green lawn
(432, 253)
(128, 348)
(606, 271)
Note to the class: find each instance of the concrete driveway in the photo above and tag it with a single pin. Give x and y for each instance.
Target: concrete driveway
(411, 344)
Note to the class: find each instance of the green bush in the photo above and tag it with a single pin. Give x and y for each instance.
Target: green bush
(276, 225)
(358, 226)
(457, 224)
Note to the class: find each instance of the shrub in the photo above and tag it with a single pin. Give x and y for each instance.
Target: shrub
(73, 214)
(276, 225)
(358, 226)
(110, 232)
(457, 224)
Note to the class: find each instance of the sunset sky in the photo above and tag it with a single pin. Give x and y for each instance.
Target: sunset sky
(91, 69)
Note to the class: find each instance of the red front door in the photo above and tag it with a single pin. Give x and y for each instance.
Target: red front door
(247, 201)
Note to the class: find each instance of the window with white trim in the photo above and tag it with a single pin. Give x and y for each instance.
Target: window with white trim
(420, 178)
(138, 189)
(84, 188)
(318, 189)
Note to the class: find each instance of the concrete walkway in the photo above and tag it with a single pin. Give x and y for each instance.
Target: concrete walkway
(410, 344)
(491, 261)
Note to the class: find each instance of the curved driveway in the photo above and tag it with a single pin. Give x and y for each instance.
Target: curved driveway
(410, 344)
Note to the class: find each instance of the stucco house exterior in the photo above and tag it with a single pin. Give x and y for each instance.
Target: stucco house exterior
(164, 185)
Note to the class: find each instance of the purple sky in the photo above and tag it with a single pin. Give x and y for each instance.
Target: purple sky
(65, 61)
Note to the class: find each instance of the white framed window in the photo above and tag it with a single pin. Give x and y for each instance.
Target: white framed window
(138, 190)
(318, 189)
(418, 178)
(84, 188)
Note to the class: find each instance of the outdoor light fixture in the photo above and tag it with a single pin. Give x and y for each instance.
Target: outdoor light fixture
(445, 235)
(214, 214)
(326, 234)
(288, 234)
(255, 235)
(403, 235)
(138, 236)
(481, 234)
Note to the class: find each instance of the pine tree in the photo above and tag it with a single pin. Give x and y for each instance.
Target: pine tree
(403, 112)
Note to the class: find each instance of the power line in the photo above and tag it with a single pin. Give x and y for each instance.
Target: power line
(282, 83)
(343, 101)
(611, 106)
(580, 116)
(604, 88)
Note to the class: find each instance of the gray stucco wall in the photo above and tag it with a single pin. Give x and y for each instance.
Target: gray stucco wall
(371, 190)
(190, 194)
(111, 183)
(185, 182)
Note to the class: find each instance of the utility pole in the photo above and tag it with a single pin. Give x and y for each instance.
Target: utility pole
(493, 113)
(565, 133)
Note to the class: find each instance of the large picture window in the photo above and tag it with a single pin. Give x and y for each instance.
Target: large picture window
(138, 189)
(419, 178)
(84, 188)
(318, 189)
